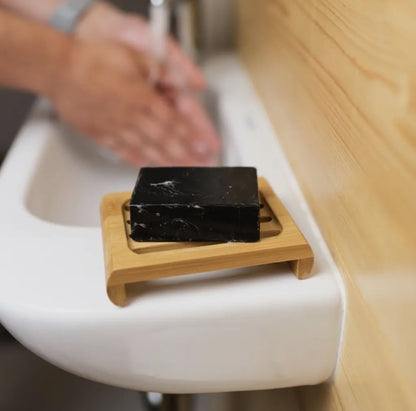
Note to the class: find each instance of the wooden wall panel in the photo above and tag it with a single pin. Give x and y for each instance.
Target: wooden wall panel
(338, 79)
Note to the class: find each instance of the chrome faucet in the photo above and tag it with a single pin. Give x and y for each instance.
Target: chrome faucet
(176, 17)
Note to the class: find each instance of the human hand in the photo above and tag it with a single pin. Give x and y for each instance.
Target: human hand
(107, 22)
(103, 90)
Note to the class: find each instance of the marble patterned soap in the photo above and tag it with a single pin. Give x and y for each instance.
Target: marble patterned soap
(219, 204)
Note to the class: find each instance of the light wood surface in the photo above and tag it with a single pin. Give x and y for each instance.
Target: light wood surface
(338, 79)
(128, 261)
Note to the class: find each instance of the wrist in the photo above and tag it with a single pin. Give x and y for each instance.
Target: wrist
(59, 63)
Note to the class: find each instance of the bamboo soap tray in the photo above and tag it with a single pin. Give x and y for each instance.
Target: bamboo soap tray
(128, 261)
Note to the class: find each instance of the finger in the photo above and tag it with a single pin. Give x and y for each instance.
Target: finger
(121, 150)
(130, 148)
(146, 66)
(143, 148)
(132, 159)
(162, 153)
(107, 141)
(158, 131)
(160, 109)
(130, 141)
(153, 70)
(136, 33)
(147, 125)
(167, 117)
(170, 147)
(196, 135)
(205, 139)
(154, 155)
(171, 77)
(182, 66)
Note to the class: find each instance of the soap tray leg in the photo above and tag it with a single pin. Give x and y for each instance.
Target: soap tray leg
(302, 268)
(117, 294)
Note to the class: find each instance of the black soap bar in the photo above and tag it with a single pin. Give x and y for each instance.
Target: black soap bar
(218, 204)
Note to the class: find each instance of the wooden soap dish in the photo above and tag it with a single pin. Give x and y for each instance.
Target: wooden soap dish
(128, 261)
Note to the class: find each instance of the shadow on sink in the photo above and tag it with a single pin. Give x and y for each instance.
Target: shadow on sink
(74, 173)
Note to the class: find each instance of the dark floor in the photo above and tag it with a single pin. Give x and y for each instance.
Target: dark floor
(29, 383)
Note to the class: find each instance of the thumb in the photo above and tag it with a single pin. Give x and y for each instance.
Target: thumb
(148, 67)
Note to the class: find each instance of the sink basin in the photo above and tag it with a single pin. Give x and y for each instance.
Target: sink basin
(242, 329)
(73, 173)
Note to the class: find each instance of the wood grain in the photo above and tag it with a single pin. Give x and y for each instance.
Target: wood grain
(128, 261)
(338, 80)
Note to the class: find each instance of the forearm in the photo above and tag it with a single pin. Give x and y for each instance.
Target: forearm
(95, 21)
(39, 10)
(32, 56)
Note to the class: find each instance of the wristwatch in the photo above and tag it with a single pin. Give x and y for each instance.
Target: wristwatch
(68, 13)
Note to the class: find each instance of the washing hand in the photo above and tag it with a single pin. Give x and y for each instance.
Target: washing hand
(104, 21)
(104, 91)
(103, 84)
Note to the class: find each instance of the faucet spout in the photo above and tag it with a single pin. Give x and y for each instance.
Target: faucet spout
(160, 25)
(177, 17)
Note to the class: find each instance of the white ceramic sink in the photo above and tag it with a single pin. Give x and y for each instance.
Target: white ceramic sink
(243, 329)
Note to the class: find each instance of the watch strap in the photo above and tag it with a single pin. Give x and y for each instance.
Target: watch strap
(68, 13)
